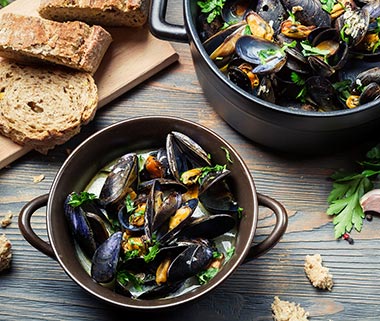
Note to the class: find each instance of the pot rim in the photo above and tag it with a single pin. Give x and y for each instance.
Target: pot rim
(192, 30)
(123, 301)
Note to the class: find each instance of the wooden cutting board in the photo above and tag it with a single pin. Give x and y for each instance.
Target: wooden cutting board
(134, 56)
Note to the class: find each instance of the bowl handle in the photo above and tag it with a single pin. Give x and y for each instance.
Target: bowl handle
(26, 228)
(162, 29)
(277, 232)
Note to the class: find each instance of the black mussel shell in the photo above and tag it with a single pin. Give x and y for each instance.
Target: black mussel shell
(106, 258)
(190, 262)
(80, 227)
(208, 227)
(252, 50)
(122, 176)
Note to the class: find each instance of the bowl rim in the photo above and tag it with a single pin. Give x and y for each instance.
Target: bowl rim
(192, 30)
(235, 261)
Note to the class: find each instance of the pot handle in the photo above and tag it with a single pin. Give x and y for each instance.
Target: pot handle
(278, 231)
(26, 228)
(162, 29)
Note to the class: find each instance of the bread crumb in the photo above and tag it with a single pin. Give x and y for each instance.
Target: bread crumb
(318, 275)
(39, 178)
(288, 311)
(5, 253)
(6, 220)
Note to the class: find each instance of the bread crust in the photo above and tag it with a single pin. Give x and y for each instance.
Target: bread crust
(111, 13)
(73, 44)
(44, 107)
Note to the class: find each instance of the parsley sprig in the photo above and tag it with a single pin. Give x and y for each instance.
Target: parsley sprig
(348, 188)
(81, 198)
(328, 5)
(212, 7)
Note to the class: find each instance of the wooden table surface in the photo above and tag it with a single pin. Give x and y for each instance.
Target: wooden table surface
(37, 288)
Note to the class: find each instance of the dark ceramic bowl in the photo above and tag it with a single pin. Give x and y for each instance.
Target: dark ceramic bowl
(133, 135)
(278, 127)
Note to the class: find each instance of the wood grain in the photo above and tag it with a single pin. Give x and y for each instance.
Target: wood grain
(134, 56)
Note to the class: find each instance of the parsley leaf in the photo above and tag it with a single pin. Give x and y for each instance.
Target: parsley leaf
(129, 204)
(4, 3)
(228, 155)
(152, 252)
(125, 277)
(348, 188)
(309, 50)
(212, 7)
(78, 199)
(327, 5)
(207, 275)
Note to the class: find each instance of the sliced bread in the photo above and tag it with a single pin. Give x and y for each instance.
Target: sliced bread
(73, 44)
(111, 13)
(44, 107)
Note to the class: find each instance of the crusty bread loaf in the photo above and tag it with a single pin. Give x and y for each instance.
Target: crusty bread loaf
(111, 13)
(44, 107)
(73, 44)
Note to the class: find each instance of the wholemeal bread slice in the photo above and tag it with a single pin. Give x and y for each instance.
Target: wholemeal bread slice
(73, 44)
(111, 13)
(44, 107)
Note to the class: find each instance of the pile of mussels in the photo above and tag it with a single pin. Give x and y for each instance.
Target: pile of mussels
(160, 223)
(318, 55)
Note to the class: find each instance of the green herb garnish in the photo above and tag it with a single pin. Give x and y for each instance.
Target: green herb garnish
(267, 54)
(78, 199)
(129, 204)
(229, 253)
(299, 81)
(152, 252)
(4, 3)
(205, 276)
(240, 212)
(212, 7)
(228, 155)
(348, 188)
(327, 5)
(131, 254)
(343, 89)
(309, 50)
(208, 169)
(124, 277)
(343, 35)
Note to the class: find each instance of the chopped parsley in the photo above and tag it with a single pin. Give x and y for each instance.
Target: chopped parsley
(309, 50)
(328, 5)
(129, 204)
(212, 7)
(208, 169)
(229, 253)
(205, 276)
(228, 155)
(299, 81)
(152, 252)
(266, 54)
(81, 198)
(124, 277)
(4, 3)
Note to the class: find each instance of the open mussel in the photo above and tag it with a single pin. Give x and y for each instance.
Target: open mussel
(266, 56)
(184, 154)
(120, 180)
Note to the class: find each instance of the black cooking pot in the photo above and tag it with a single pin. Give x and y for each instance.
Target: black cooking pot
(272, 125)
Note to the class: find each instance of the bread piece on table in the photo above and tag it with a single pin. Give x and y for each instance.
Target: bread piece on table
(73, 44)
(44, 107)
(111, 13)
(318, 275)
(5, 253)
(288, 311)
